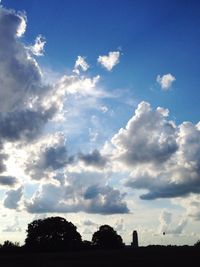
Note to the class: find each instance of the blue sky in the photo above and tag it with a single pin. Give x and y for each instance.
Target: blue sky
(155, 37)
(100, 116)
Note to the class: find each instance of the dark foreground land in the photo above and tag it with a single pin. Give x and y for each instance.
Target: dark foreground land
(146, 256)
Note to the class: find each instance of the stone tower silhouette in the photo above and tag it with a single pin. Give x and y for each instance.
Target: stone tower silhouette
(135, 240)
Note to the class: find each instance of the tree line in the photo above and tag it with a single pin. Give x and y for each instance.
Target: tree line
(57, 234)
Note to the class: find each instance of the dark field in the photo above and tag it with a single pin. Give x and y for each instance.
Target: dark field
(164, 256)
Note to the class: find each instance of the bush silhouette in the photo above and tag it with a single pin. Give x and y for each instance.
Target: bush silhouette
(10, 246)
(197, 244)
(53, 233)
(107, 237)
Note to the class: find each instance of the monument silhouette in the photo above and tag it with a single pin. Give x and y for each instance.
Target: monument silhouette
(135, 240)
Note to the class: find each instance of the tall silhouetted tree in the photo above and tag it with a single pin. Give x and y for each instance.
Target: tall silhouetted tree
(107, 237)
(53, 233)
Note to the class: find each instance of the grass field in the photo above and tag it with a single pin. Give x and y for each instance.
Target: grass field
(165, 256)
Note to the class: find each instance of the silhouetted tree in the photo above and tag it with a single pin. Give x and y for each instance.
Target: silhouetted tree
(53, 233)
(197, 244)
(87, 244)
(10, 246)
(107, 237)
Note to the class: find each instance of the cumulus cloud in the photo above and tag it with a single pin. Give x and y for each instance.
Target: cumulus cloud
(73, 198)
(48, 156)
(165, 81)
(191, 204)
(20, 76)
(13, 198)
(93, 159)
(24, 124)
(163, 158)
(105, 200)
(109, 61)
(23, 113)
(80, 64)
(147, 138)
(38, 48)
(27, 105)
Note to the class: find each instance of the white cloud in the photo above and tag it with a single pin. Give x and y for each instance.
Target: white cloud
(191, 204)
(147, 138)
(163, 158)
(27, 105)
(163, 111)
(79, 85)
(20, 76)
(104, 109)
(165, 81)
(38, 48)
(165, 220)
(47, 156)
(119, 225)
(169, 226)
(22, 26)
(14, 227)
(80, 64)
(94, 159)
(109, 61)
(71, 198)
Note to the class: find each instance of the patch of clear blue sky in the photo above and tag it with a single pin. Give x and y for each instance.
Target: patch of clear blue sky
(156, 37)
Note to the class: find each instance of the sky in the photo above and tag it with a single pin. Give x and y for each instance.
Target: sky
(99, 117)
